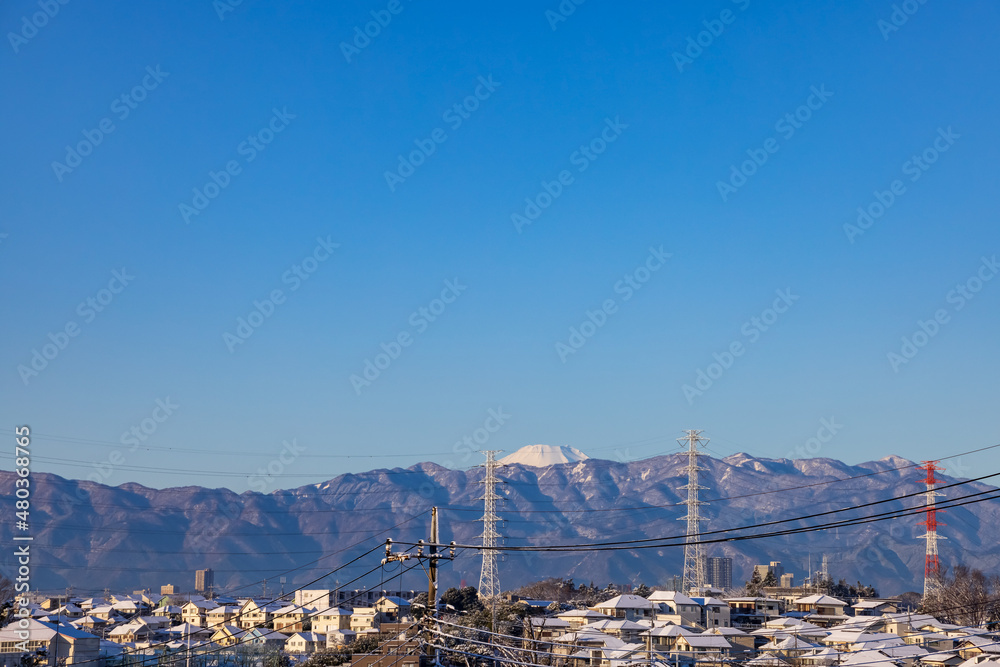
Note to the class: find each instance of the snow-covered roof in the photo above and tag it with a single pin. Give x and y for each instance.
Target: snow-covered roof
(669, 631)
(670, 596)
(821, 599)
(548, 622)
(625, 602)
(582, 613)
(707, 641)
(40, 630)
(767, 660)
(710, 602)
(790, 643)
(613, 624)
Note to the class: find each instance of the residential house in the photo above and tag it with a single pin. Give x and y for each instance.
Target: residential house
(714, 613)
(131, 632)
(331, 619)
(676, 608)
(364, 619)
(68, 611)
(265, 637)
(702, 649)
(63, 645)
(257, 613)
(221, 615)
(664, 639)
(104, 612)
(90, 624)
(228, 635)
(314, 598)
(545, 628)
(338, 638)
(629, 607)
(623, 629)
(875, 607)
(970, 647)
(392, 608)
(822, 610)
(750, 613)
(195, 611)
(290, 618)
(577, 618)
(741, 643)
(305, 642)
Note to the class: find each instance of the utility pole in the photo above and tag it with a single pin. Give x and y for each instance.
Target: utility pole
(432, 568)
(694, 551)
(432, 558)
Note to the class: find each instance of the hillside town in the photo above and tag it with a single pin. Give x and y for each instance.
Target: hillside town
(383, 628)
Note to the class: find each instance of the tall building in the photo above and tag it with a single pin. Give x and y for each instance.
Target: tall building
(719, 572)
(168, 589)
(204, 580)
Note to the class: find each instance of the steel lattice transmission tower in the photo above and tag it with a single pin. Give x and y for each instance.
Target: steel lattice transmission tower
(694, 551)
(932, 566)
(489, 580)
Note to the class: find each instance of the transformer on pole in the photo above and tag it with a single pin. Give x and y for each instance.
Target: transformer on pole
(694, 551)
(932, 565)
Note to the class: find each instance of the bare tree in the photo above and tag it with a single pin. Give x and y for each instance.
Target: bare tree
(6, 599)
(965, 597)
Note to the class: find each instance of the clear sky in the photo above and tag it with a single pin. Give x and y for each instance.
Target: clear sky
(507, 168)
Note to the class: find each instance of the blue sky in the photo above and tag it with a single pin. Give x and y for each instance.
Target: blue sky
(344, 121)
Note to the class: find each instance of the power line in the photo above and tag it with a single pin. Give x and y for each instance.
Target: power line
(658, 541)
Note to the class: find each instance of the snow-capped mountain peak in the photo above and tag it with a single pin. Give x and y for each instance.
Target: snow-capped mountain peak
(540, 456)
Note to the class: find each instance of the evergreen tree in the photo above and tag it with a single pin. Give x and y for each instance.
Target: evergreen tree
(755, 585)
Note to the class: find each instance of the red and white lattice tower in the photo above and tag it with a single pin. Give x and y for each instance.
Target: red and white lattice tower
(932, 566)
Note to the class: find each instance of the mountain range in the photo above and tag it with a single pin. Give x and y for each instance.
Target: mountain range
(91, 536)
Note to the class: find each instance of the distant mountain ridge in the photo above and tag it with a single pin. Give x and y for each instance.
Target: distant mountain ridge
(93, 536)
